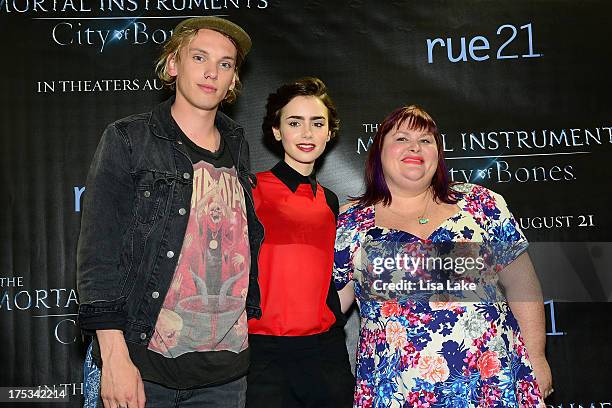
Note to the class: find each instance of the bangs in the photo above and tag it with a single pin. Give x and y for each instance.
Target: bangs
(414, 118)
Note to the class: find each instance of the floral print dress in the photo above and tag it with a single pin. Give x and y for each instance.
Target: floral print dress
(421, 349)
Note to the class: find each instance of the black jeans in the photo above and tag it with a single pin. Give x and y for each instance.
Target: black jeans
(230, 395)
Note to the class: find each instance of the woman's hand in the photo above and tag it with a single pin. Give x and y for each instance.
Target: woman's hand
(543, 376)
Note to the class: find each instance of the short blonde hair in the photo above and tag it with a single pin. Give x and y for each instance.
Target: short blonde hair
(172, 49)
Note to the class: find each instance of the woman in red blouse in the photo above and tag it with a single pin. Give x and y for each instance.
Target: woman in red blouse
(298, 351)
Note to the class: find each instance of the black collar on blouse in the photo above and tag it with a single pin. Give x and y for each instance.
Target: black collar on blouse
(292, 179)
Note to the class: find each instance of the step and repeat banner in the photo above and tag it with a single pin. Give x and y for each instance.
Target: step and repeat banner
(521, 91)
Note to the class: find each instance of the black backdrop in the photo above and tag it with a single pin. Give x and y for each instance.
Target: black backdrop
(521, 91)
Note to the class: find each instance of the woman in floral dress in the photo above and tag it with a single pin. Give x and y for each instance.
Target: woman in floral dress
(432, 335)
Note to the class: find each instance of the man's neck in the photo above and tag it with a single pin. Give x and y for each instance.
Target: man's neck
(197, 124)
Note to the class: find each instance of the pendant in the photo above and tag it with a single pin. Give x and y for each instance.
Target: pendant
(213, 244)
(423, 220)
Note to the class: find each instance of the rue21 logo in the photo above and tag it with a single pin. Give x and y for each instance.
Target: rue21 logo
(478, 48)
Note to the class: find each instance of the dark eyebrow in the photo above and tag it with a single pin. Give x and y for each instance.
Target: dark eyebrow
(302, 118)
(206, 52)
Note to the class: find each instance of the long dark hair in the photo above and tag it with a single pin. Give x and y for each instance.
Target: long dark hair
(376, 186)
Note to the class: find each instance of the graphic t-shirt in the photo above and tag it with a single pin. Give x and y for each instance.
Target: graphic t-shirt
(200, 336)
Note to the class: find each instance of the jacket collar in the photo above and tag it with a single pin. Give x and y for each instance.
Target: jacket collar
(164, 126)
(292, 178)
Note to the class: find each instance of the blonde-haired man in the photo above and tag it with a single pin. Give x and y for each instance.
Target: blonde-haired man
(145, 260)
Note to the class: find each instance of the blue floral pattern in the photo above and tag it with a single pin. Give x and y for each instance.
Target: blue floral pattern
(426, 351)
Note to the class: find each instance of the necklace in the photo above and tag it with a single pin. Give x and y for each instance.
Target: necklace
(213, 243)
(422, 219)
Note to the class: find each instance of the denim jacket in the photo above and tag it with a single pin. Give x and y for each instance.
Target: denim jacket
(134, 218)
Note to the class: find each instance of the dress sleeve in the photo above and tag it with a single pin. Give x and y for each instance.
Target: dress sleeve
(506, 237)
(345, 246)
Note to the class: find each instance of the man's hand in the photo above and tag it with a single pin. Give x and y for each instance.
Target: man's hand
(121, 385)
